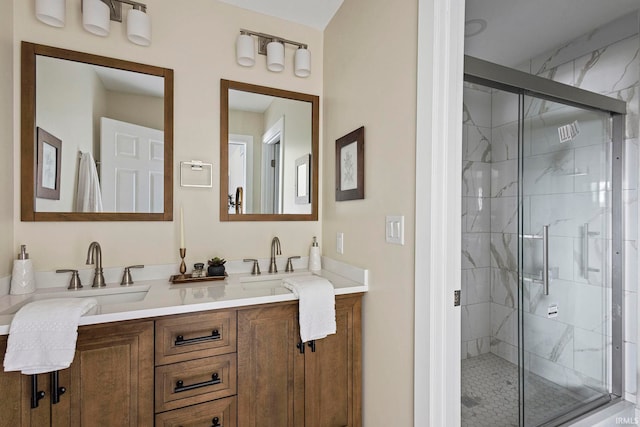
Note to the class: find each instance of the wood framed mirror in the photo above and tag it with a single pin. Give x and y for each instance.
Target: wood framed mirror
(264, 135)
(114, 119)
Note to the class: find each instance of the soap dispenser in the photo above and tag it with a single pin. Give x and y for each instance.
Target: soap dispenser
(314, 256)
(22, 279)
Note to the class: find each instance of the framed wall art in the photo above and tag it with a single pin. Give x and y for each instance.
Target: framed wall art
(49, 165)
(350, 166)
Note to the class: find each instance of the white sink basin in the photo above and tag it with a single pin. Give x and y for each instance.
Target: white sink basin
(268, 277)
(104, 296)
(267, 281)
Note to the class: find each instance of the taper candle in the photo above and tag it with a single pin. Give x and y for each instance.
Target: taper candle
(182, 227)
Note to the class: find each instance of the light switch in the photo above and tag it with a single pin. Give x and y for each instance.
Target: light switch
(394, 229)
(340, 243)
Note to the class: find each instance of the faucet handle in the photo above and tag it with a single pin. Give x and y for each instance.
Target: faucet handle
(74, 283)
(289, 267)
(126, 277)
(256, 267)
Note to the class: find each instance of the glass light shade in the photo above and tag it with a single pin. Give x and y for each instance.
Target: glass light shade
(51, 12)
(245, 51)
(275, 56)
(139, 27)
(302, 63)
(96, 17)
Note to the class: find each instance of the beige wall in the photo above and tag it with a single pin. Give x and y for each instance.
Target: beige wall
(370, 79)
(198, 43)
(6, 134)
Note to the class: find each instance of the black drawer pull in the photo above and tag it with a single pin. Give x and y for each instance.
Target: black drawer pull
(56, 390)
(216, 422)
(36, 395)
(181, 387)
(300, 347)
(215, 335)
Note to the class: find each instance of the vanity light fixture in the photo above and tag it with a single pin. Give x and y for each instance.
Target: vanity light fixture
(51, 12)
(95, 17)
(97, 14)
(275, 56)
(245, 54)
(302, 62)
(273, 48)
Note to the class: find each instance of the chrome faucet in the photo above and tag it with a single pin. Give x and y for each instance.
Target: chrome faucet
(94, 256)
(275, 250)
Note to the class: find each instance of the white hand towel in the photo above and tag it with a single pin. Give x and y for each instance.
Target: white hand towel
(88, 196)
(317, 306)
(43, 334)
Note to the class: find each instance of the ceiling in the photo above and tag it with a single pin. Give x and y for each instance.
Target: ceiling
(130, 82)
(249, 101)
(516, 29)
(521, 29)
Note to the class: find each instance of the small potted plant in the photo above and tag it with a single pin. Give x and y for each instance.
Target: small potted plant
(216, 267)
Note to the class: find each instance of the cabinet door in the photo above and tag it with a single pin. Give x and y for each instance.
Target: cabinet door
(15, 407)
(270, 367)
(333, 372)
(110, 382)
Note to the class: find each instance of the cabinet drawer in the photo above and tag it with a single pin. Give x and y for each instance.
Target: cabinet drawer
(195, 381)
(219, 413)
(191, 336)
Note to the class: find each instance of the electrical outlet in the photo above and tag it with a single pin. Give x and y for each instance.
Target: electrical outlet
(340, 242)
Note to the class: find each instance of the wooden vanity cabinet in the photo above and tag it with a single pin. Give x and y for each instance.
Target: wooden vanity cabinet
(278, 384)
(109, 383)
(243, 367)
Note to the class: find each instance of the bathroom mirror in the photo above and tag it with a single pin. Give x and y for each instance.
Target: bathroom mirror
(269, 142)
(97, 138)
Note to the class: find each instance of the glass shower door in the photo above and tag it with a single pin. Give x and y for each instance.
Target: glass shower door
(565, 251)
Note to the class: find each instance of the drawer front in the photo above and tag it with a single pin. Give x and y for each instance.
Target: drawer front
(195, 381)
(192, 336)
(219, 413)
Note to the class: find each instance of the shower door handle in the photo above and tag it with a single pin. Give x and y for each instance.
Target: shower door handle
(545, 259)
(585, 251)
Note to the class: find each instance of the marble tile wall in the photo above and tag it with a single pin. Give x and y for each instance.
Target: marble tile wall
(476, 222)
(504, 226)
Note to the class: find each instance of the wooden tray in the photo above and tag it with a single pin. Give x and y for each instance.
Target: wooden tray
(186, 278)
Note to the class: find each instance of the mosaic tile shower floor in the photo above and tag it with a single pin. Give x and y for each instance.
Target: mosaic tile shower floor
(490, 394)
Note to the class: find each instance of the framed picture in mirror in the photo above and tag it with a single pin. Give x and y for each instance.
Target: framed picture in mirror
(49, 165)
(350, 166)
(303, 180)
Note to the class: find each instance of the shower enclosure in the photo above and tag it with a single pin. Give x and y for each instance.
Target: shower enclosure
(542, 249)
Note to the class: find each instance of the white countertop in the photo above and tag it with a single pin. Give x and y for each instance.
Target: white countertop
(164, 298)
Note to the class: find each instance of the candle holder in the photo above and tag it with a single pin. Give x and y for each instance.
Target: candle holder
(183, 266)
